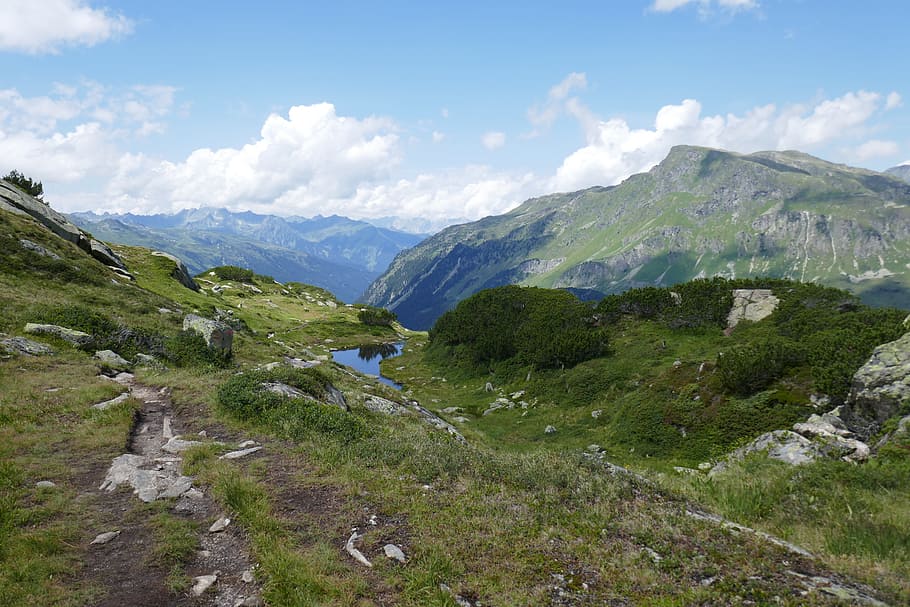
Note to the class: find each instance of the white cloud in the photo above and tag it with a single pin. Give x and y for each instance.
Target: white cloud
(615, 150)
(438, 136)
(43, 26)
(77, 131)
(493, 140)
(893, 101)
(444, 112)
(543, 116)
(876, 148)
(704, 6)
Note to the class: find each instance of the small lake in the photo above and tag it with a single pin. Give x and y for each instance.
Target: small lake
(366, 359)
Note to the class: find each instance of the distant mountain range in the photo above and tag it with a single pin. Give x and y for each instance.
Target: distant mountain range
(901, 172)
(336, 253)
(701, 212)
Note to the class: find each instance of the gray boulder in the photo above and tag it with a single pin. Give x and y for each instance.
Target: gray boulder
(112, 360)
(751, 304)
(217, 335)
(77, 338)
(27, 347)
(105, 254)
(37, 248)
(382, 405)
(782, 445)
(882, 385)
(180, 271)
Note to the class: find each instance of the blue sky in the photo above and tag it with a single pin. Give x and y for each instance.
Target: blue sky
(424, 112)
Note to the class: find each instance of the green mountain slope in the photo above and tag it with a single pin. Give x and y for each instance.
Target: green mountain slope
(699, 213)
(901, 172)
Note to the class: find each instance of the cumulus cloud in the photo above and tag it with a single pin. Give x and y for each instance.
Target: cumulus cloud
(76, 131)
(44, 26)
(615, 150)
(438, 136)
(493, 140)
(893, 101)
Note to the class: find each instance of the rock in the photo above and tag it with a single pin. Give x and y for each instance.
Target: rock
(488, 387)
(27, 347)
(110, 403)
(247, 577)
(37, 248)
(45, 485)
(550, 430)
(217, 335)
(240, 453)
(180, 271)
(246, 444)
(146, 360)
(250, 601)
(105, 255)
(881, 386)
(112, 360)
(460, 419)
(382, 405)
(149, 485)
(203, 583)
(781, 445)
(751, 304)
(335, 397)
(451, 410)
(284, 390)
(24, 204)
(357, 554)
(220, 525)
(596, 413)
(394, 552)
(178, 445)
(686, 471)
(77, 338)
(104, 538)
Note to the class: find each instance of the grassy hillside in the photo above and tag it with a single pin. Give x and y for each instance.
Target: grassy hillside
(514, 517)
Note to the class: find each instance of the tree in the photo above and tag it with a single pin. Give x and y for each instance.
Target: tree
(32, 188)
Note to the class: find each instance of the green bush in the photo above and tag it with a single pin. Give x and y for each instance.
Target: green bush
(234, 273)
(32, 188)
(246, 397)
(189, 349)
(748, 368)
(377, 317)
(531, 326)
(107, 334)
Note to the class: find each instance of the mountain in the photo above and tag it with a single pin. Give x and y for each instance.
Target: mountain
(901, 172)
(337, 253)
(701, 212)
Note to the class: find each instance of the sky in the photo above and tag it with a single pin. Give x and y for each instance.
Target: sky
(422, 114)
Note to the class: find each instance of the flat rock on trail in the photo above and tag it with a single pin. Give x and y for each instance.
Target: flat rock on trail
(124, 566)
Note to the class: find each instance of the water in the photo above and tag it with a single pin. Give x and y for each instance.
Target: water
(366, 359)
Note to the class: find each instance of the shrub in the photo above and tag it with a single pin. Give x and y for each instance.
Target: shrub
(189, 349)
(32, 188)
(377, 317)
(531, 326)
(750, 367)
(234, 273)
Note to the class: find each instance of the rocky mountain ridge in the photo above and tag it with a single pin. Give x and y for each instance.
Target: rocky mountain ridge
(701, 212)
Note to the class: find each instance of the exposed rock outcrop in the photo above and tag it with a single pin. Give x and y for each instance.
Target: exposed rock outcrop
(20, 345)
(180, 271)
(217, 335)
(881, 386)
(752, 305)
(77, 338)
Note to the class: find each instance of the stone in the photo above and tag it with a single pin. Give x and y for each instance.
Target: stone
(21, 203)
(110, 403)
(881, 386)
(333, 396)
(782, 445)
(488, 387)
(752, 305)
(203, 583)
(45, 485)
(77, 338)
(596, 413)
(550, 430)
(148, 485)
(28, 245)
(250, 601)
(180, 271)
(216, 334)
(382, 405)
(247, 577)
(146, 360)
(284, 390)
(27, 347)
(240, 453)
(356, 554)
(106, 255)
(394, 552)
(104, 538)
(111, 359)
(178, 445)
(220, 525)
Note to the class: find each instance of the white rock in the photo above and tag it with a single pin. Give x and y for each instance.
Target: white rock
(45, 485)
(103, 538)
(241, 453)
(177, 445)
(357, 554)
(247, 577)
(394, 552)
(220, 525)
(550, 430)
(110, 403)
(203, 583)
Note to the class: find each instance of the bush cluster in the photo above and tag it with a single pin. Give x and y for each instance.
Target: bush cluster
(544, 328)
(188, 349)
(235, 273)
(377, 317)
(698, 303)
(247, 397)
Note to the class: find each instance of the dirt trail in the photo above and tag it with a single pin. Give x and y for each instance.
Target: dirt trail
(124, 566)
